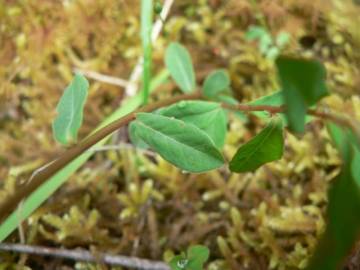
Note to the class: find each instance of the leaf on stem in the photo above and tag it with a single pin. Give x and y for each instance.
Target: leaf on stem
(303, 84)
(194, 259)
(178, 62)
(265, 147)
(207, 116)
(197, 256)
(70, 110)
(215, 83)
(178, 142)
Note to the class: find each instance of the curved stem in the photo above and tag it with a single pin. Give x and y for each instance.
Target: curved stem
(69, 155)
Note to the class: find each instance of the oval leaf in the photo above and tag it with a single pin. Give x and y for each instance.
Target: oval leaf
(265, 147)
(179, 64)
(70, 110)
(215, 83)
(197, 256)
(182, 144)
(303, 84)
(208, 116)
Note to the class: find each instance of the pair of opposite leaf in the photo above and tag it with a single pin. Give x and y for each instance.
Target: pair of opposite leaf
(190, 134)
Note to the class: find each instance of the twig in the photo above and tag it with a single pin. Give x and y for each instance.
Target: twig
(137, 71)
(159, 24)
(103, 78)
(341, 120)
(86, 256)
(130, 85)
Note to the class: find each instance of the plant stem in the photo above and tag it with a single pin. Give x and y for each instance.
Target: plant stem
(42, 175)
(23, 191)
(253, 108)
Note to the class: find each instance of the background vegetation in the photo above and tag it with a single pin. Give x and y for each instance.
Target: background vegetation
(131, 202)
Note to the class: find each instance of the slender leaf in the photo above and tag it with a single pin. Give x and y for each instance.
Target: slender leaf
(215, 83)
(303, 84)
(178, 62)
(265, 147)
(70, 110)
(342, 137)
(182, 144)
(208, 116)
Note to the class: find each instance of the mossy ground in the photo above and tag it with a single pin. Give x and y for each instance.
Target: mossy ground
(131, 202)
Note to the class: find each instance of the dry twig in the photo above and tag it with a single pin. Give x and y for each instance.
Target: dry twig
(86, 256)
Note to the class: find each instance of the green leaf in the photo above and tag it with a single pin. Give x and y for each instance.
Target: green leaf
(343, 227)
(179, 262)
(39, 196)
(197, 256)
(255, 32)
(70, 110)
(134, 138)
(182, 144)
(265, 43)
(341, 137)
(303, 84)
(355, 165)
(282, 39)
(265, 147)
(179, 64)
(215, 83)
(194, 259)
(272, 53)
(208, 116)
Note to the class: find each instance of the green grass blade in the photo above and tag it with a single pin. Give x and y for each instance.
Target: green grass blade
(146, 29)
(50, 186)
